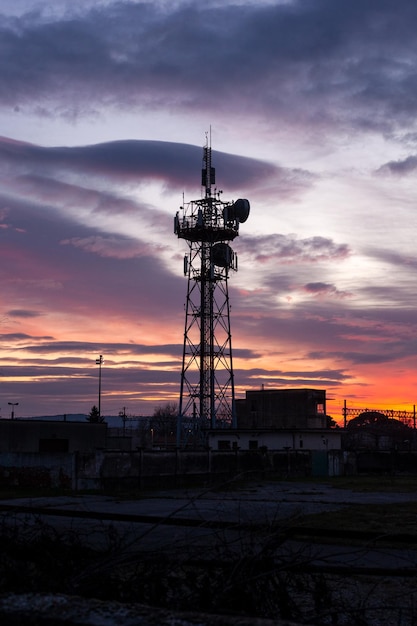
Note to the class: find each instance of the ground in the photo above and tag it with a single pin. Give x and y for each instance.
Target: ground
(332, 552)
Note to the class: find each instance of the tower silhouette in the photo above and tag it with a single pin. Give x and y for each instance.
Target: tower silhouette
(207, 382)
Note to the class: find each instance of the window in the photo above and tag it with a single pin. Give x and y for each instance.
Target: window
(253, 444)
(320, 408)
(223, 444)
(53, 445)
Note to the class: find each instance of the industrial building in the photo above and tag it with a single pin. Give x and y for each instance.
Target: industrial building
(50, 436)
(282, 408)
(279, 419)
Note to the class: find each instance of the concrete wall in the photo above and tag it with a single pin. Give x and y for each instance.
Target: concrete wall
(323, 439)
(102, 469)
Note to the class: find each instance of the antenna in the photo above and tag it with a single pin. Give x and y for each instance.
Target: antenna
(208, 225)
(208, 173)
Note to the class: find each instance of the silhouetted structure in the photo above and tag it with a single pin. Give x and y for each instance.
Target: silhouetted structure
(207, 383)
(50, 436)
(282, 408)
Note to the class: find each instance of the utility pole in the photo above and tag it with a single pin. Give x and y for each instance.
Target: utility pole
(99, 362)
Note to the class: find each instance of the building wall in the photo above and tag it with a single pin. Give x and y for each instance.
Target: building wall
(107, 469)
(239, 439)
(50, 436)
(282, 408)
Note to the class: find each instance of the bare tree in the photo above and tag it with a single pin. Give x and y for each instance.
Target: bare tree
(164, 422)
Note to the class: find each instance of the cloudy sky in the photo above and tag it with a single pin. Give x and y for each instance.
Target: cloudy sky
(104, 110)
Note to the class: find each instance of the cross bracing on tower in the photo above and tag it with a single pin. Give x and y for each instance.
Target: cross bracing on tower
(207, 381)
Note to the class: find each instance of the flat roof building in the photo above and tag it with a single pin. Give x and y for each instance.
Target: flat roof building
(282, 409)
(50, 436)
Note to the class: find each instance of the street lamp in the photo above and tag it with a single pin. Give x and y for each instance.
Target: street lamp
(13, 404)
(99, 362)
(123, 416)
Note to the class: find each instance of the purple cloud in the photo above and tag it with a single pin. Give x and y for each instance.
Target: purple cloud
(291, 249)
(173, 164)
(400, 167)
(325, 289)
(319, 62)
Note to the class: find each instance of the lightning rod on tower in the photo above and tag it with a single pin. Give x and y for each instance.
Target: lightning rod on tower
(207, 383)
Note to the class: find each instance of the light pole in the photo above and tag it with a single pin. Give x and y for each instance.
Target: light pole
(13, 404)
(123, 416)
(99, 362)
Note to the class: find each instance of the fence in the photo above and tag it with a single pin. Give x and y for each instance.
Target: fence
(142, 469)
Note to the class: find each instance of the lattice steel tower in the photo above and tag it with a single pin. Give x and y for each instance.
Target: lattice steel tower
(207, 382)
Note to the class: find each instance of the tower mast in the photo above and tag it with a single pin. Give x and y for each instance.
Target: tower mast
(207, 382)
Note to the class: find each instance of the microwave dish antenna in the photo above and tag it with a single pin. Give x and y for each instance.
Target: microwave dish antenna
(208, 225)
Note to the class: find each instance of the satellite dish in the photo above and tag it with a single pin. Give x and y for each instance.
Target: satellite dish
(222, 255)
(241, 208)
(238, 211)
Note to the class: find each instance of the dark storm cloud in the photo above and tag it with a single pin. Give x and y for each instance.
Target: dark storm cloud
(323, 60)
(138, 160)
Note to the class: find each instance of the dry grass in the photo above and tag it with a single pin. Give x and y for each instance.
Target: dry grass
(381, 519)
(377, 483)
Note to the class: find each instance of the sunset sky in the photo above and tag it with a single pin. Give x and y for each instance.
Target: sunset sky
(104, 109)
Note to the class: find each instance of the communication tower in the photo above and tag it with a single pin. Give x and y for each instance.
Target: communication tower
(207, 383)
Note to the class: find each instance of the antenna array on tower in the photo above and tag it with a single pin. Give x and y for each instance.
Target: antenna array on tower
(207, 382)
